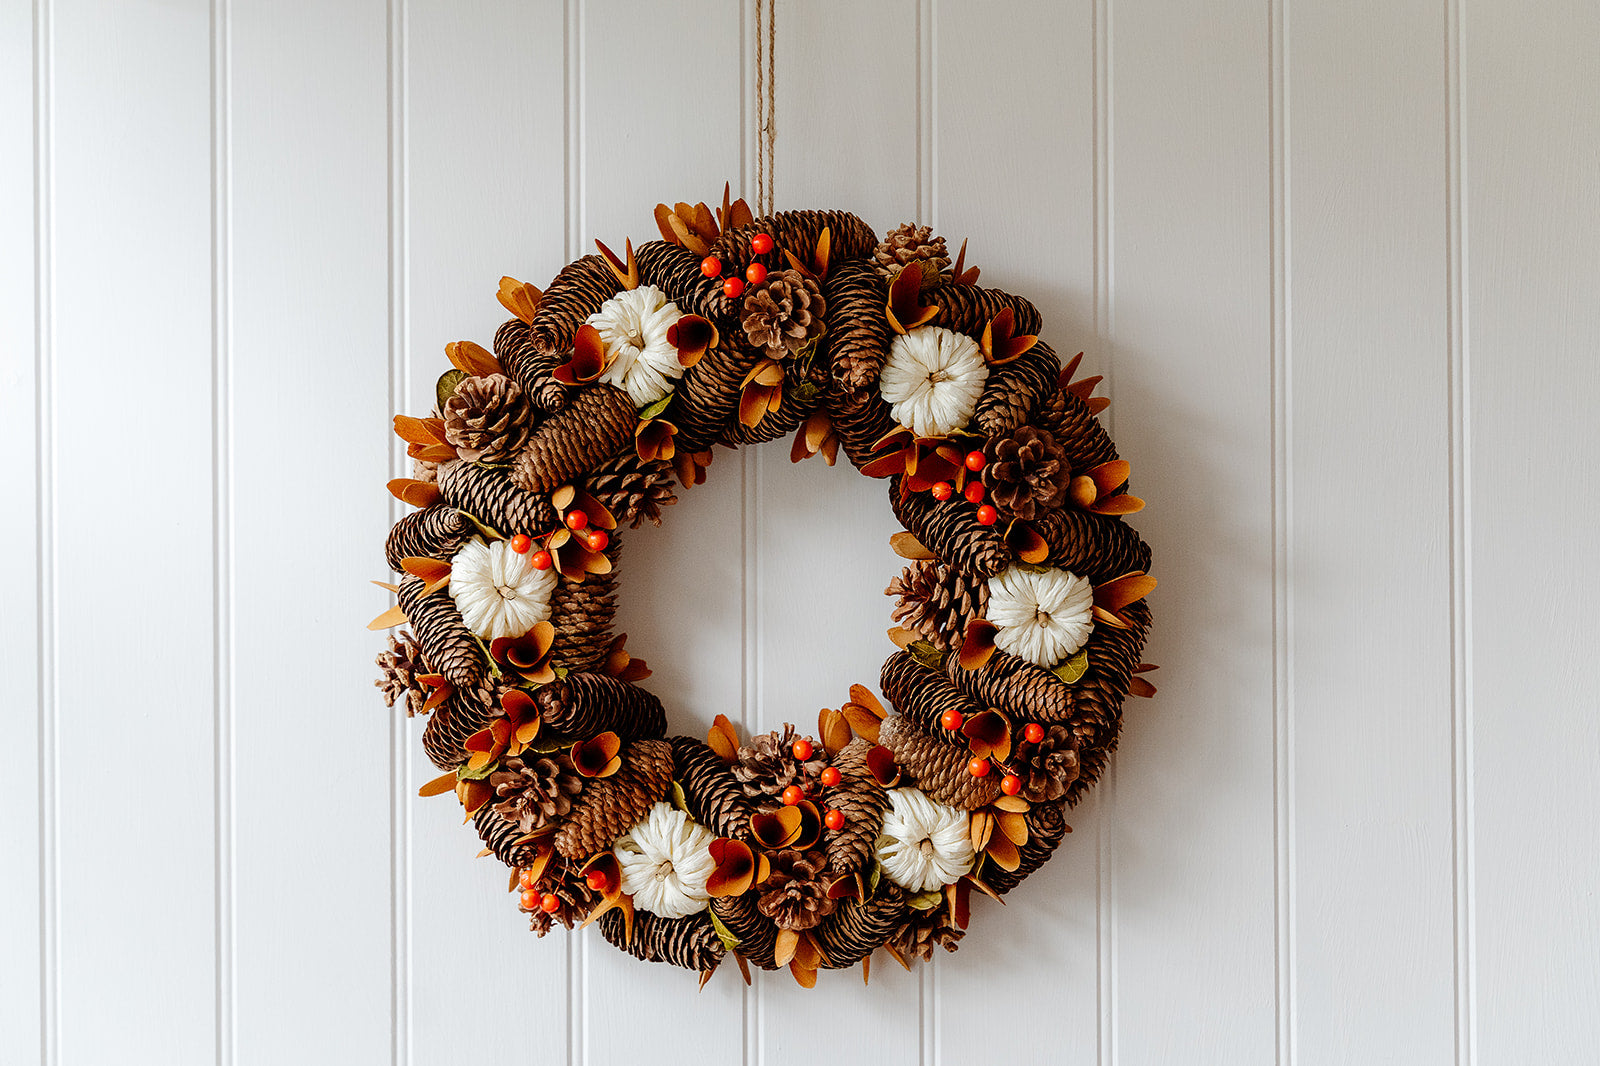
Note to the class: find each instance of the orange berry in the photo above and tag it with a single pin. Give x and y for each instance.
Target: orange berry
(987, 516)
(711, 266)
(596, 879)
(755, 273)
(975, 461)
(834, 819)
(529, 899)
(978, 767)
(551, 903)
(732, 288)
(1011, 784)
(598, 539)
(577, 520)
(792, 795)
(521, 543)
(1034, 733)
(761, 243)
(525, 878)
(802, 749)
(943, 491)
(831, 776)
(974, 492)
(541, 560)
(951, 719)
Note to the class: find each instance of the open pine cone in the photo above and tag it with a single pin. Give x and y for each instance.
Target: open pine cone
(534, 793)
(937, 601)
(911, 243)
(1026, 472)
(1049, 767)
(784, 313)
(925, 930)
(487, 419)
(768, 765)
(795, 896)
(401, 666)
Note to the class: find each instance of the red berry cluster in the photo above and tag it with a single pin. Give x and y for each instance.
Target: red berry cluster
(531, 899)
(597, 540)
(755, 273)
(973, 490)
(1010, 784)
(803, 749)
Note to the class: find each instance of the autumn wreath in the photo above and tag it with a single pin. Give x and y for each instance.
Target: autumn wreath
(1020, 619)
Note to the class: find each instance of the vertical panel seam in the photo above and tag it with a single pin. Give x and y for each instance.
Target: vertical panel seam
(1283, 807)
(399, 400)
(224, 778)
(46, 532)
(1464, 963)
(573, 19)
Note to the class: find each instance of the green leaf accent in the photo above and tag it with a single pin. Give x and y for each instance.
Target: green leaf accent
(1033, 568)
(654, 410)
(874, 876)
(724, 934)
(926, 654)
(494, 667)
(1074, 668)
(807, 392)
(679, 800)
(487, 530)
(549, 747)
(464, 774)
(446, 387)
(926, 901)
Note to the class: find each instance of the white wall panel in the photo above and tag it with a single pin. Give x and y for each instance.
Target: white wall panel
(1337, 262)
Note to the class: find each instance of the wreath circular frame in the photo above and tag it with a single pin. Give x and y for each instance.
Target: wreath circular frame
(538, 453)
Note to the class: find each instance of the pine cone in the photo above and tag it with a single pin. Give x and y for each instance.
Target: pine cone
(968, 309)
(708, 396)
(610, 806)
(562, 880)
(401, 665)
(1015, 390)
(1023, 690)
(1098, 547)
(714, 796)
(632, 489)
(758, 938)
(859, 927)
(533, 792)
(582, 705)
(939, 769)
(502, 837)
(1047, 826)
(796, 895)
(859, 334)
(689, 942)
(424, 470)
(463, 713)
(784, 313)
(951, 531)
(1026, 471)
(923, 695)
(923, 930)
(1076, 430)
(862, 801)
(911, 243)
(768, 766)
(1048, 768)
(593, 427)
(487, 419)
(446, 644)
(582, 613)
(435, 532)
(487, 494)
(937, 601)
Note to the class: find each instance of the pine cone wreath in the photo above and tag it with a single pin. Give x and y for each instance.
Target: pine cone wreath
(487, 419)
(402, 664)
(634, 490)
(610, 806)
(768, 765)
(911, 243)
(796, 895)
(534, 791)
(784, 313)
(937, 601)
(1025, 472)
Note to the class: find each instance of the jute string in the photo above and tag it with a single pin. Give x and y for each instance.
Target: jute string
(766, 102)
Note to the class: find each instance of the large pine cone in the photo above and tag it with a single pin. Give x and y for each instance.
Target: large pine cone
(487, 419)
(582, 613)
(1026, 472)
(859, 927)
(401, 666)
(435, 532)
(714, 796)
(582, 705)
(784, 313)
(937, 601)
(593, 427)
(939, 769)
(1047, 827)
(862, 801)
(951, 531)
(487, 494)
(632, 489)
(534, 791)
(923, 695)
(758, 938)
(911, 243)
(446, 643)
(610, 806)
(689, 942)
(796, 895)
(502, 837)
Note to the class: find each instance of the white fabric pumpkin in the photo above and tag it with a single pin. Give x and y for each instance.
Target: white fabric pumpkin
(932, 380)
(633, 330)
(666, 860)
(499, 592)
(1042, 616)
(923, 845)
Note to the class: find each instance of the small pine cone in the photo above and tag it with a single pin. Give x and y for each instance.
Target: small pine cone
(610, 806)
(463, 713)
(858, 331)
(690, 942)
(784, 313)
(1047, 826)
(968, 309)
(795, 896)
(562, 880)
(401, 666)
(937, 601)
(1023, 690)
(446, 644)
(576, 292)
(1076, 429)
(768, 766)
(435, 532)
(534, 791)
(951, 531)
(424, 470)
(582, 705)
(713, 794)
(1015, 390)
(676, 271)
(582, 613)
(707, 397)
(488, 495)
(860, 927)
(487, 419)
(1098, 547)
(923, 695)
(1025, 472)
(758, 937)
(939, 769)
(592, 428)
(911, 243)
(632, 489)
(1048, 768)
(862, 801)
(503, 837)
(921, 931)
